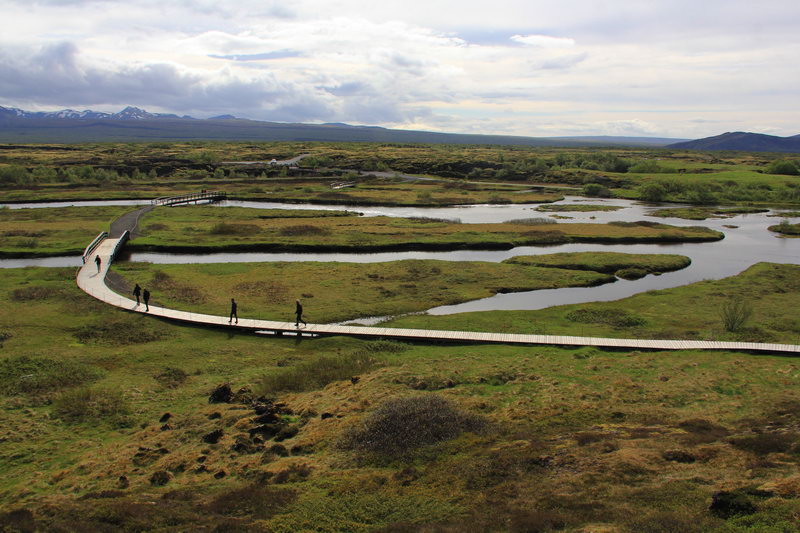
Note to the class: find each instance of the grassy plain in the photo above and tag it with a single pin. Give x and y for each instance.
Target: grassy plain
(56, 231)
(333, 292)
(211, 228)
(573, 439)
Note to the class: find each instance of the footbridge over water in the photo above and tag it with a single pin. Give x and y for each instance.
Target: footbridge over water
(204, 196)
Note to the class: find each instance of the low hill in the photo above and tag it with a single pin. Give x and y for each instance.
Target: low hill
(133, 124)
(743, 141)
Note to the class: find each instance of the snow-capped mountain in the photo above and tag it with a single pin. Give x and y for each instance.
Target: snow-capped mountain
(129, 113)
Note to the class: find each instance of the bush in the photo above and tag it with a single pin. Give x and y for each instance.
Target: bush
(631, 273)
(171, 378)
(315, 374)
(303, 230)
(85, 404)
(224, 228)
(784, 167)
(596, 190)
(400, 426)
(533, 221)
(734, 313)
(617, 318)
(38, 375)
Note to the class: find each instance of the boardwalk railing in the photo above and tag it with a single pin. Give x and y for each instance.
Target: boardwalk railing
(92, 245)
(120, 243)
(191, 197)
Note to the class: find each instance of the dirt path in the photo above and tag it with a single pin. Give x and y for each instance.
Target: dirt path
(128, 222)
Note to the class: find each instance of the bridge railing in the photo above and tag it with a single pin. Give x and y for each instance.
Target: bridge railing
(120, 243)
(191, 197)
(94, 244)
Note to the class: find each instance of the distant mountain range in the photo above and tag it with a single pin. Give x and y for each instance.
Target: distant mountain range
(743, 141)
(134, 124)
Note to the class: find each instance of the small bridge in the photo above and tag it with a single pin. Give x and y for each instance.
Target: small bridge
(203, 196)
(92, 282)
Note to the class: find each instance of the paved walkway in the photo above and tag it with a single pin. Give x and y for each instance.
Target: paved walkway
(93, 282)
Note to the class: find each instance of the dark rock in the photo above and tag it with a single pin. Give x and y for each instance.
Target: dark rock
(222, 394)
(302, 449)
(165, 417)
(213, 437)
(287, 432)
(202, 469)
(123, 483)
(355, 379)
(201, 459)
(726, 504)
(160, 478)
(219, 475)
(678, 456)
(267, 431)
(267, 418)
(166, 427)
(19, 520)
(245, 445)
(279, 449)
(325, 416)
(215, 415)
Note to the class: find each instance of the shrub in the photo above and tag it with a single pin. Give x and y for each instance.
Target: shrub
(171, 378)
(734, 313)
(617, 318)
(596, 190)
(120, 330)
(631, 273)
(316, 373)
(224, 228)
(37, 375)
(533, 221)
(784, 167)
(85, 404)
(402, 425)
(303, 230)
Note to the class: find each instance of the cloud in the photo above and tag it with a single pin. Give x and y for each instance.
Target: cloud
(544, 41)
(277, 54)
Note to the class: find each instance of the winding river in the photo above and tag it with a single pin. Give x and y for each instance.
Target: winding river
(747, 241)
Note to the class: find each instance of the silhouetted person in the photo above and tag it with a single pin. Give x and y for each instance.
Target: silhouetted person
(146, 298)
(137, 291)
(97, 261)
(233, 312)
(298, 311)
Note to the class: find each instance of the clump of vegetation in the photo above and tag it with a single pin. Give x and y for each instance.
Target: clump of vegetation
(735, 313)
(401, 425)
(120, 330)
(631, 273)
(596, 190)
(171, 378)
(225, 228)
(786, 228)
(300, 230)
(783, 166)
(35, 293)
(93, 404)
(533, 221)
(256, 501)
(39, 375)
(316, 373)
(618, 318)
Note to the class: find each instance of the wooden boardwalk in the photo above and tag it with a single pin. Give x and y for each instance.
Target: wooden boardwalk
(211, 196)
(93, 282)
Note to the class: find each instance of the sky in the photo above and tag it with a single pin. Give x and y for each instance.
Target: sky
(655, 68)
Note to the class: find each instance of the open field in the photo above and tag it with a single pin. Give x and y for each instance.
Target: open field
(57, 231)
(212, 229)
(550, 438)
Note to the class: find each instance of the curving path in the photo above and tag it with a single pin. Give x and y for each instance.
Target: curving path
(93, 282)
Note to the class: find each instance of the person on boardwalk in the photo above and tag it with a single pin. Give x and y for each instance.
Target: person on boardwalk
(233, 312)
(146, 298)
(137, 291)
(298, 311)
(97, 261)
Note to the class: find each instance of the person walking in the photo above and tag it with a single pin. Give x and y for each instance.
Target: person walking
(298, 311)
(233, 312)
(97, 261)
(137, 291)
(146, 298)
